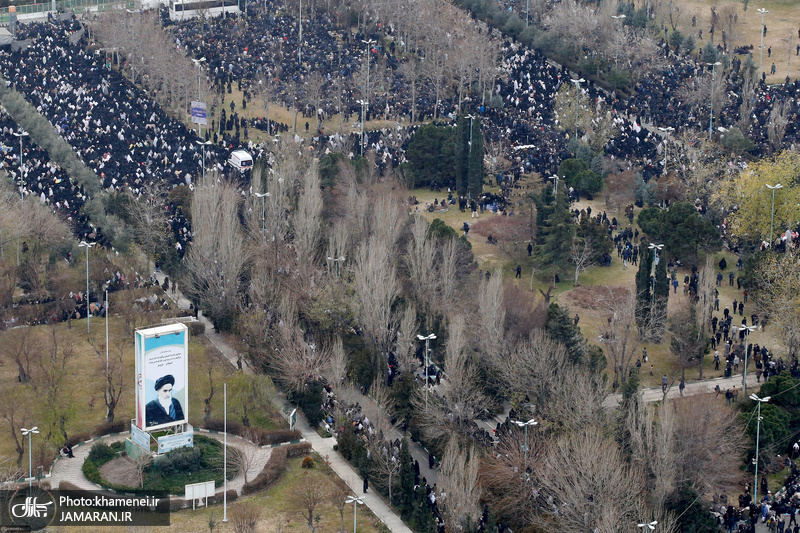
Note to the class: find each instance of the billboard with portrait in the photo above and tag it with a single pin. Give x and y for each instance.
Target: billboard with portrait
(162, 385)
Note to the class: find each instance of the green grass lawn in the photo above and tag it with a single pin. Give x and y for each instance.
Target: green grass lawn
(279, 512)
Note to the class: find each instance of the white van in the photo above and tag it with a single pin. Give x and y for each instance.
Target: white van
(240, 160)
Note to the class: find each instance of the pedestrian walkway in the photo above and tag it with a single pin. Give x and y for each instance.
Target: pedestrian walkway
(323, 446)
(655, 394)
(71, 470)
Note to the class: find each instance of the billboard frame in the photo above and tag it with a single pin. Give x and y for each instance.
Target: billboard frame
(141, 337)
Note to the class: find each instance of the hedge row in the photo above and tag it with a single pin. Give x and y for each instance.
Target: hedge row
(103, 429)
(276, 466)
(260, 436)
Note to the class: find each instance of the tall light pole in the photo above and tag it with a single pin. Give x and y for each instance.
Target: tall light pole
(711, 97)
(554, 177)
(648, 525)
(617, 18)
(656, 248)
(363, 103)
(530, 422)
(263, 196)
(577, 90)
(29, 433)
(21, 134)
(427, 363)
(761, 63)
(300, 36)
(225, 452)
(747, 330)
(337, 260)
(772, 215)
(198, 63)
(527, 10)
(666, 132)
(758, 434)
(368, 42)
(355, 500)
(470, 117)
(204, 144)
(87, 245)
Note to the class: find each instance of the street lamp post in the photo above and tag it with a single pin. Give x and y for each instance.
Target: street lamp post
(666, 132)
(427, 363)
(758, 434)
(656, 248)
(263, 196)
(527, 10)
(577, 90)
(617, 18)
(29, 433)
(648, 525)
(364, 103)
(761, 63)
(21, 134)
(470, 117)
(87, 245)
(336, 261)
(711, 97)
(368, 43)
(355, 500)
(204, 144)
(747, 330)
(554, 177)
(198, 63)
(530, 422)
(772, 213)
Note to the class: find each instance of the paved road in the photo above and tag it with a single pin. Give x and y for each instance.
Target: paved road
(322, 446)
(655, 394)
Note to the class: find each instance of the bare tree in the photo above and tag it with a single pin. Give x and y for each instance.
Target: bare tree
(245, 517)
(307, 219)
(615, 316)
(20, 346)
(458, 481)
(411, 70)
(492, 313)
(52, 376)
(581, 255)
(406, 343)
(315, 92)
(461, 400)
(384, 464)
(448, 268)
(420, 255)
(216, 258)
(778, 122)
(652, 441)
(706, 431)
(376, 289)
(113, 372)
(136, 466)
(339, 495)
(308, 495)
(338, 363)
(778, 286)
(16, 412)
(295, 362)
(590, 486)
(149, 217)
(245, 456)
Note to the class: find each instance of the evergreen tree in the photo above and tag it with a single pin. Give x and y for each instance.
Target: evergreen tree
(545, 204)
(644, 285)
(561, 327)
(475, 159)
(661, 296)
(557, 233)
(461, 158)
(405, 494)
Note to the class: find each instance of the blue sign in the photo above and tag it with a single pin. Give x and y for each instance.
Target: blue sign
(178, 440)
(199, 113)
(140, 437)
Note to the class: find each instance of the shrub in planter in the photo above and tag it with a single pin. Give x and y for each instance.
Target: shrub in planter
(308, 462)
